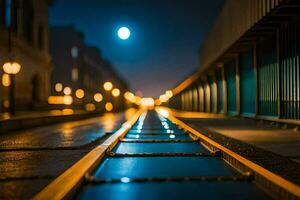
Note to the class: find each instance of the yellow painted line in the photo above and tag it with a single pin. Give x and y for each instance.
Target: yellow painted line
(274, 178)
(64, 186)
(194, 115)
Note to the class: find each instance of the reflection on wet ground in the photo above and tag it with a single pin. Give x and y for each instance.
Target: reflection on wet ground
(30, 159)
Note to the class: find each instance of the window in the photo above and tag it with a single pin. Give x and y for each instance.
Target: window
(41, 38)
(2, 12)
(28, 21)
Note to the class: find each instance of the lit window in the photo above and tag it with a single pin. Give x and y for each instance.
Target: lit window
(74, 52)
(74, 74)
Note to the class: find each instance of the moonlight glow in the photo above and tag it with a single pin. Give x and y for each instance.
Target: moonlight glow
(124, 33)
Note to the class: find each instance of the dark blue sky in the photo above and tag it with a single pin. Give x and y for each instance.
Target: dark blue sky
(163, 47)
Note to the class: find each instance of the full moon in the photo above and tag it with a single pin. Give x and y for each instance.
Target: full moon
(124, 33)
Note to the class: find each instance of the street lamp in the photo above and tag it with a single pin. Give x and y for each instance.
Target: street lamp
(116, 92)
(12, 68)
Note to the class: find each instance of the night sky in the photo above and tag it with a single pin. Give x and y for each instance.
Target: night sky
(165, 36)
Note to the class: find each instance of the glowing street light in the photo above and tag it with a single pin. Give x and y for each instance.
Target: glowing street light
(129, 96)
(147, 102)
(109, 106)
(68, 100)
(163, 98)
(67, 90)
(107, 86)
(169, 93)
(12, 68)
(116, 92)
(79, 93)
(58, 87)
(98, 97)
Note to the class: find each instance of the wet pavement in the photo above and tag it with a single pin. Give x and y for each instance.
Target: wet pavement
(31, 159)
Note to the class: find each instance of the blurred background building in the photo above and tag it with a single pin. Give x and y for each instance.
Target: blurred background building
(30, 48)
(57, 68)
(81, 69)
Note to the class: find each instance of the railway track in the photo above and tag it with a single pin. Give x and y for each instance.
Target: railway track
(150, 157)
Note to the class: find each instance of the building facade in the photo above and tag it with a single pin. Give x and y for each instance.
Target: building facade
(30, 48)
(81, 67)
(249, 63)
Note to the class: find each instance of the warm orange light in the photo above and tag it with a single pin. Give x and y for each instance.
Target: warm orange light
(68, 100)
(67, 111)
(79, 93)
(98, 97)
(56, 100)
(109, 106)
(169, 93)
(58, 87)
(163, 112)
(11, 67)
(116, 92)
(108, 121)
(129, 96)
(137, 100)
(5, 80)
(6, 115)
(129, 113)
(90, 107)
(6, 104)
(67, 90)
(55, 112)
(157, 102)
(147, 102)
(107, 86)
(163, 98)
